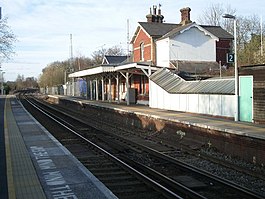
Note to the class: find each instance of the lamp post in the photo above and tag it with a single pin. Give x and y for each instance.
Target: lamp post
(228, 16)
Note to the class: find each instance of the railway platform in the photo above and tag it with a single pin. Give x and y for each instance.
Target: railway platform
(36, 164)
(234, 139)
(245, 129)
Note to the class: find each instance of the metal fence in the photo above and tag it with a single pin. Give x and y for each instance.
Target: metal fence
(78, 89)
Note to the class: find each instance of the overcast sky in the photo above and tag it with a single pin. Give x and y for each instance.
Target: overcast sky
(43, 27)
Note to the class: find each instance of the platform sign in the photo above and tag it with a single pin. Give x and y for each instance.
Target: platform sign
(230, 57)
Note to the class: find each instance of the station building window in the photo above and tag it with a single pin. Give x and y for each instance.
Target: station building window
(142, 51)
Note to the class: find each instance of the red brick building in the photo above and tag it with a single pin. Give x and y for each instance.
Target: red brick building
(117, 79)
(143, 41)
(146, 34)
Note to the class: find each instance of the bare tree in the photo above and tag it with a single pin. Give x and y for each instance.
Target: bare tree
(97, 56)
(213, 15)
(115, 50)
(7, 39)
(247, 27)
(52, 75)
(81, 62)
(19, 82)
(23, 83)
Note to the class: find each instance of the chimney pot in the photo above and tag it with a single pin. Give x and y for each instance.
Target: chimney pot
(154, 9)
(155, 18)
(159, 11)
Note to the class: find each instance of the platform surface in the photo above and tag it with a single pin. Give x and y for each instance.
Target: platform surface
(38, 166)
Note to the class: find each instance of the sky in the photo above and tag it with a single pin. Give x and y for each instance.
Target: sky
(43, 27)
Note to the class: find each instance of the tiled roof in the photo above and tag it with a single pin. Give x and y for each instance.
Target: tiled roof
(172, 83)
(164, 30)
(218, 31)
(115, 59)
(158, 29)
(177, 30)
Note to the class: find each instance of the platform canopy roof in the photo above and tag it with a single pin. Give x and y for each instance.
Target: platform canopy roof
(135, 68)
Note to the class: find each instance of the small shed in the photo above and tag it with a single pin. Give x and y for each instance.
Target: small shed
(252, 93)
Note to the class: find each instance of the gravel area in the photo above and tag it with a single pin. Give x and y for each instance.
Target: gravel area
(252, 183)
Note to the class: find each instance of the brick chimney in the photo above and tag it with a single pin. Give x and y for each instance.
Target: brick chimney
(185, 16)
(149, 17)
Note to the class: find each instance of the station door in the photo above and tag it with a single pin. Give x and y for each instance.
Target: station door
(246, 98)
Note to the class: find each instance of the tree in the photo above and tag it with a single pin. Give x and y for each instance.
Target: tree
(97, 56)
(251, 53)
(53, 74)
(56, 73)
(81, 62)
(7, 40)
(7, 88)
(19, 82)
(213, 16)
(24, 83)
(246, 27)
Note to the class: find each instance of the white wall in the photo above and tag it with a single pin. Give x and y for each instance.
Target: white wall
(162, 52)
(191, 45)
(217, 105)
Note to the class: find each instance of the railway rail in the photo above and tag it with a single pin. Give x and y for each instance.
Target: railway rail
(154, 168)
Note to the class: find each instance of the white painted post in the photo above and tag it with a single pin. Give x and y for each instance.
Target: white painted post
(87, 85)
(102, 88)
(91, 90)
(96, 89)
(109, 93)
(73, 86)
(118, 90)
(127, 87)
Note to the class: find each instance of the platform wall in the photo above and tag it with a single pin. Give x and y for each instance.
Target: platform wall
(217, 105)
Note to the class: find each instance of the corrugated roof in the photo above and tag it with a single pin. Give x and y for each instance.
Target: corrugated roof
(195, 67)
(172, 83)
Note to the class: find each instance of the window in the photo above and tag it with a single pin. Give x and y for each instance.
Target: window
(142, 51)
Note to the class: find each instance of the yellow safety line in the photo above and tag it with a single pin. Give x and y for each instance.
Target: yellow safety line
(10, 180)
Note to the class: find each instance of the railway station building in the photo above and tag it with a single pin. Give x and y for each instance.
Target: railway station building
(185, 50)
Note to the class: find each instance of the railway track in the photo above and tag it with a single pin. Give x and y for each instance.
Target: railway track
(171, 174)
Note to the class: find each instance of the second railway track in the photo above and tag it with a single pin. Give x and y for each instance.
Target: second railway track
(168, 177)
